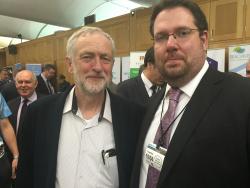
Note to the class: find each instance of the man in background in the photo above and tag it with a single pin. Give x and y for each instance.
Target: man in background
(85, 137)
(145, 85)
(196, 132)
(9, 90)
(63, 84)
(4, 77)
(44, 80)
(26, 84)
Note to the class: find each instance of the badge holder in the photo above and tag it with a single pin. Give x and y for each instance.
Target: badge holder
(155, 156)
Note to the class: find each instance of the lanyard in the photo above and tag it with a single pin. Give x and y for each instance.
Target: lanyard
(163, 133)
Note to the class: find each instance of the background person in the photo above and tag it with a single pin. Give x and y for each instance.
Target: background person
(45, 85)
(142, 87)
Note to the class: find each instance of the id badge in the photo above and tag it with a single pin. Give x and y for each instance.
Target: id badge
(155, 156)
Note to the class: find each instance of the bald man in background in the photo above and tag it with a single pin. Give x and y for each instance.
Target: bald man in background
(26, 84)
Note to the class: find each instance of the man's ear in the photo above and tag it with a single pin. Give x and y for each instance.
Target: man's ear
(204, 39)
(68, 61)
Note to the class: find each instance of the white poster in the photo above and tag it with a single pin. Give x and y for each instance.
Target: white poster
(136, 60)
(36, 68)
(238, 57)
(116, 76)
(219, 56)
(125, 68)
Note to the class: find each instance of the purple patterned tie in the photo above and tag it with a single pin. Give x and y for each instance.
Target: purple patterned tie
(174, 95)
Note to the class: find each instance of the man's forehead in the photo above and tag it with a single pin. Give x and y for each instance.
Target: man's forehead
(177, 17)
(24, 78)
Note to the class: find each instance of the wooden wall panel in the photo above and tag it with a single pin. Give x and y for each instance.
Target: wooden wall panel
(60, 42)
(247, 20)
(40, 51)
(131, 33)
(140, 38)
(2, 58)
(119, 30)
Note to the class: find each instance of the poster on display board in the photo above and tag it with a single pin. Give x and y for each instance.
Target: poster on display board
(238, 57)
(136, 60)
(125, 68)
(18, 66)
(116, 76)
(36, 68)
(218, 54)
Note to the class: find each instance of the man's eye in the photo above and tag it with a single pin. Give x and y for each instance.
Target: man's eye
(182, 33)
(85, 57)
(106, 58)
(160, 37)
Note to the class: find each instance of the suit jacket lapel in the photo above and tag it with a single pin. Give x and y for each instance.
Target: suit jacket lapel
(116, 122)
(152, 107)
(142, 89)
(202, 98)
(53, 134)
(15, 111)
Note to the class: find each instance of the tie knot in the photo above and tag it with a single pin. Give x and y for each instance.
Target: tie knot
(25, 101)
(174, 94)
(153, 88)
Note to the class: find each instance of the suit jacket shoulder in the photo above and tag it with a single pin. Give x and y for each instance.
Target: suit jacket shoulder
(134, 90)
(41, 86)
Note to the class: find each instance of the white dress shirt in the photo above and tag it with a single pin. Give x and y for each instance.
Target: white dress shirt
(188, 91)
(147, 83)
(79, 160)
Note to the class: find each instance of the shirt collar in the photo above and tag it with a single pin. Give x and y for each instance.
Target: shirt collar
(44, 78)
(31, 99)
(71, 106)
(146, 81)
(190, 87)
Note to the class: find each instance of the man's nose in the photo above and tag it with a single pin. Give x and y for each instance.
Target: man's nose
(171, 43)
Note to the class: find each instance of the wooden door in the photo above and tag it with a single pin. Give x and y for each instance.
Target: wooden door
(226, 19)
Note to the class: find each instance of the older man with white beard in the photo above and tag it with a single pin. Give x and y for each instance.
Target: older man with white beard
(85, 137)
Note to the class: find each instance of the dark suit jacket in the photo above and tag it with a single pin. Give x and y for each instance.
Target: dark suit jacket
(134, 90)
(40, 136)
(14, 106)
(41, 86)
(9, 91)
(211, 145)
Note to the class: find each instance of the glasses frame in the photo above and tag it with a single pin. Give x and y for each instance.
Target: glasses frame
(179, 35)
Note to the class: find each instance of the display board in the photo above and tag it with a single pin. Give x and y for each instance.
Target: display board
(36, 68)
(116, 71)
(218, 55)
(238, 57)
(125, 61)
(136, 60)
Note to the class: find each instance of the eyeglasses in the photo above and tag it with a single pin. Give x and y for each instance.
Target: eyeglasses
(180, 35)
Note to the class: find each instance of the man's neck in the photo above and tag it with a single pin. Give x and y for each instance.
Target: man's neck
(89, 105)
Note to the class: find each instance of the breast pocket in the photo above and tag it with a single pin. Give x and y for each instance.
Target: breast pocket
(109, 168)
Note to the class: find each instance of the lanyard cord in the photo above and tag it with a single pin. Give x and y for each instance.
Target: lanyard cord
(163, 133)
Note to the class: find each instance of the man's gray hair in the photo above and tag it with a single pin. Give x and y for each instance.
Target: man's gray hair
(83, 32)
(34, 78)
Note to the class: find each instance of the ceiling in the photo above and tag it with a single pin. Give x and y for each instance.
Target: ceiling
(30, 19)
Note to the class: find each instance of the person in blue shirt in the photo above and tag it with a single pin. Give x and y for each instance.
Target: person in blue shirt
(7, 134)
